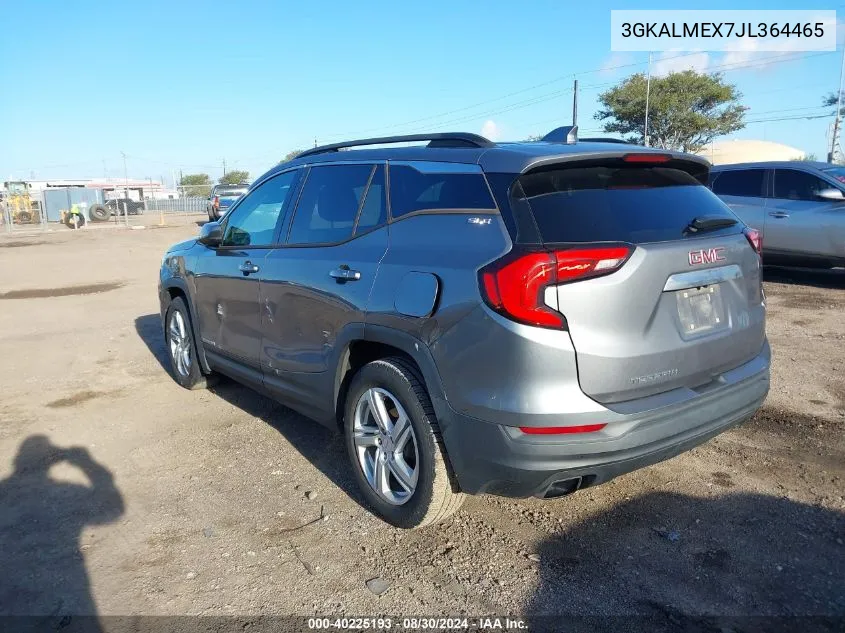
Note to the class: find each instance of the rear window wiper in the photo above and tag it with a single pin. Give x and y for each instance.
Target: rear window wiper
(709, 223)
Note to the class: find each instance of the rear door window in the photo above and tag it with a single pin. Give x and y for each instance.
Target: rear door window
(618, 203)
(739, 182)
(414, 190)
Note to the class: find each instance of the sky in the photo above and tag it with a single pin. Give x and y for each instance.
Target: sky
(183, 86)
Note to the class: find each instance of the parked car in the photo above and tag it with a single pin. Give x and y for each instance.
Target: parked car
(798, 207)
(516, 319)
(121, 206)
(221, 198)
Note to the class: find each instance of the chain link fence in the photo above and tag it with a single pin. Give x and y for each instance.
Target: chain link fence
(51, 210)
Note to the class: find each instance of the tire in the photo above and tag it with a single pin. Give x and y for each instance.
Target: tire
(80, 220)
(432, 495)
(99, 213)
(181, 346)
(24, 217)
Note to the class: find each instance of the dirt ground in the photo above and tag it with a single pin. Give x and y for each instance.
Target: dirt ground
(122, 493)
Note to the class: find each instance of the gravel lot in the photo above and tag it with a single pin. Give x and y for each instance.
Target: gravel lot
(178, 502)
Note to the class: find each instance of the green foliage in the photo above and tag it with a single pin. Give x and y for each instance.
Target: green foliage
(686, 110)
(234, 177)
(195, 185)
(807, 157)
(831, 99)
(291, 155)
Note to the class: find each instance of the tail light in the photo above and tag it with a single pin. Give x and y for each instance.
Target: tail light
(647, 158)
(216, 203)
(515, 286)
(755, 239)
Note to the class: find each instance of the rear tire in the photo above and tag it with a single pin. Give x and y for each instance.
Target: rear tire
(99, 213)
(181, 346)
(428, 494)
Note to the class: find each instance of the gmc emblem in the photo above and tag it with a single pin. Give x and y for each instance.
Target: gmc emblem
(706, 256)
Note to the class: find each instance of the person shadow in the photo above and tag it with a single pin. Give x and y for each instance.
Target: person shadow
(44, 584)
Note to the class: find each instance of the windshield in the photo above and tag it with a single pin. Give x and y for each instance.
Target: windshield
(835, 172)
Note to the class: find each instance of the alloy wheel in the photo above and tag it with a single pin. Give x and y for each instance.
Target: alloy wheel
(386, 446)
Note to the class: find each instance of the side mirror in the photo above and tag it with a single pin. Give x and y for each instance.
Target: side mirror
(211, 234)
(830, 194)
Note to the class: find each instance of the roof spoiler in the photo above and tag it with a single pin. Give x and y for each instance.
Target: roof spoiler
(566, 134)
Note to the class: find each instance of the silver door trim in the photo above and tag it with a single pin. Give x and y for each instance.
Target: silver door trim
(697, 278)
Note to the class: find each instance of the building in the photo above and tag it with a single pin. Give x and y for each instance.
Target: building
(112, 187)
(747, 151)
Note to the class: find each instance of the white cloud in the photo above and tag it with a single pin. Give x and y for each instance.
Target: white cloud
(611, 65)
(491, 130)
(678, 61)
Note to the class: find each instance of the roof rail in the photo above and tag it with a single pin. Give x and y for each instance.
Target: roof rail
(440, 139)
(567, 134)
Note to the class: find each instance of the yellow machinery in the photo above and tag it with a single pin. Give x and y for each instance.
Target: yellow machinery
(22, 209)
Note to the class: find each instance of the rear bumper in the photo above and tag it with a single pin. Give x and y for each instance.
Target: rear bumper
(497, 459)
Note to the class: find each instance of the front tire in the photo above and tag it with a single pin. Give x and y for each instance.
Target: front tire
(181, 346)
(395, 447)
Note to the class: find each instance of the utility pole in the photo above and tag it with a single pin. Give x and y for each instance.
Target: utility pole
(125, 189)
(575, 103)
(834, 138)
(224, 166)
(647, 94)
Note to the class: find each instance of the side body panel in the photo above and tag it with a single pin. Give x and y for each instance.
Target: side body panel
(227, 302)
(304, 311)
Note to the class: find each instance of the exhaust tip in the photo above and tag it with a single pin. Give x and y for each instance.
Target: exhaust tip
(562, 488)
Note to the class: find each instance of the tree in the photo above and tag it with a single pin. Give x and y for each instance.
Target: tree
(831, 99)
(291, 155)
(686, 110)
(234, 177)
(195, 185)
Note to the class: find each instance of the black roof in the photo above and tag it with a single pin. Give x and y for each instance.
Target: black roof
(466, 148)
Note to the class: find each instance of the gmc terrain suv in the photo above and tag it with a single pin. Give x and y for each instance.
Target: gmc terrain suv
(476, 317)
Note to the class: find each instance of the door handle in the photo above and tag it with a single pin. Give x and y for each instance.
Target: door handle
(344, 273)
(248, 267)
(778, 214)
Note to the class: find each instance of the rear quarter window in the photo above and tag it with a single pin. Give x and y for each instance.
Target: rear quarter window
(618, 203)
(412, 190)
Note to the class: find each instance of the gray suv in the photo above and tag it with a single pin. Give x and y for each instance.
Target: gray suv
(475, 317)
(798, 207)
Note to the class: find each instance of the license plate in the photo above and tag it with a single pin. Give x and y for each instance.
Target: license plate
(701, 309)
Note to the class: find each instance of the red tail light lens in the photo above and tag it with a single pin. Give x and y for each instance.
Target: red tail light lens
(647, 157)
(216, 202)
(559, 430)
(515, 286)
(755, 239)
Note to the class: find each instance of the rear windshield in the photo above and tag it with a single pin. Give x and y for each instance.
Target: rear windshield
(230, 191)
(618, 203)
